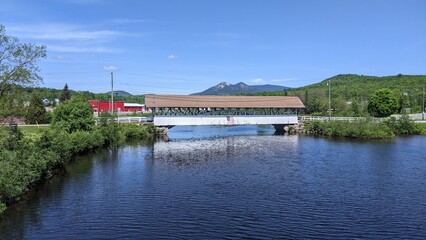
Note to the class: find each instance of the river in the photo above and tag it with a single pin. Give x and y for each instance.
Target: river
(233, 182)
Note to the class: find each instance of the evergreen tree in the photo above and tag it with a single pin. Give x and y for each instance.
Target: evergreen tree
(36, 112)
(65, 94)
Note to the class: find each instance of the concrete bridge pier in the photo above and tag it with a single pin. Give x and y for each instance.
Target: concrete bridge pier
(163, 130)
(281, 128)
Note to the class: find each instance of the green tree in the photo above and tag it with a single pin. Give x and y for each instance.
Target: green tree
(111, 130)
(65, 94)
(74, 115)
(36, 112)
(355, 108)
(383, 103)
(18, 66)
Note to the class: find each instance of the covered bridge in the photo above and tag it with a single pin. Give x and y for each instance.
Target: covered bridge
(171, 110)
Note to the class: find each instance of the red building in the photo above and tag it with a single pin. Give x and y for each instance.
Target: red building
(101, 106)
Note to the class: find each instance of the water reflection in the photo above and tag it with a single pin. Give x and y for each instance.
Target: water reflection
(188, 152)
(227, 184)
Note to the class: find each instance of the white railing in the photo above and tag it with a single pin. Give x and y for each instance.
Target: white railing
(133, 119)
(347, 119)
(418, 117)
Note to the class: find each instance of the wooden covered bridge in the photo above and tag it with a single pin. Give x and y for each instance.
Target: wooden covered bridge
(178, 110)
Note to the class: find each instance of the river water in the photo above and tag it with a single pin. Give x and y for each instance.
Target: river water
(233, 182)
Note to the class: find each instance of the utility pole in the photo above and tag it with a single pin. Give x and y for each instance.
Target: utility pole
(329, 100)
(112, 93)
(423, 114)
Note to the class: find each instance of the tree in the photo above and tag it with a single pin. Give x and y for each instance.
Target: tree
(36, 112)
(18, 66)
(74, 115)
(65, 94)
(383, 103)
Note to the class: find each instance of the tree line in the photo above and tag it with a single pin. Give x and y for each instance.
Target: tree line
(351, 94)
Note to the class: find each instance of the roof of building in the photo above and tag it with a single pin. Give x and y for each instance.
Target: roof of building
(223, 101)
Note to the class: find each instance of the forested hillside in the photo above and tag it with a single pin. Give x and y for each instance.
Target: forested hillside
(350, 93)
(26, 93)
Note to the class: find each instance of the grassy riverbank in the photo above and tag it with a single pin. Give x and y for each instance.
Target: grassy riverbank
(30, 154)
(366, 129)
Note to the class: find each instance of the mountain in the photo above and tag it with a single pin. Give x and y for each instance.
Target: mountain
(120, 93)
(225, 88)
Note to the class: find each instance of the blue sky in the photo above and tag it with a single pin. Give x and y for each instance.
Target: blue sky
(186, 46)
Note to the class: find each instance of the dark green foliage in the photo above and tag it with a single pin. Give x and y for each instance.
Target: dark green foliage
(65, 94)
(383, 103)
(422, 128)
(74, 115)
(110, 129)
(403, 125)
(132, 131)
(36, 112)
(11, 105)
(34, 154)
(346, 88)
(361, 129)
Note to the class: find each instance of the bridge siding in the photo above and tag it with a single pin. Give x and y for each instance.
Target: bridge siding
(223, 120)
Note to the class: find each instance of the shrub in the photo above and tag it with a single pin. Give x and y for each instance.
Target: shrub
(74, 115)
(110, 130)
(403, 125)
(361, 129)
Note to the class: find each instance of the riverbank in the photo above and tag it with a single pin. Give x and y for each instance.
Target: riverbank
(28, 156)
(366, 129)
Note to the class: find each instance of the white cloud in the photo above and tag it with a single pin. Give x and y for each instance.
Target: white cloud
(62, 32)
(172, 57)
(284, 79)
(70, 38)
(258, 80)
(73, 49)
(111, 68)
(263, 81)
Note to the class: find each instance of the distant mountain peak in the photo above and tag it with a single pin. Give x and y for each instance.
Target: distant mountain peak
(120, 93)
(241, 84)
(223, 85)
(225, 88)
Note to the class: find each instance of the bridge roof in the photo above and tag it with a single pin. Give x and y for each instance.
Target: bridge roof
(222, 101)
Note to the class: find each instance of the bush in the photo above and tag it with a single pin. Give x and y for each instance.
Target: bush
(132, 131)
(361, 129)
(110, 130)
(74, 115)
(404, 125)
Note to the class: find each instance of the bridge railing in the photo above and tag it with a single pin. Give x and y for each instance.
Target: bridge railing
(347, 119)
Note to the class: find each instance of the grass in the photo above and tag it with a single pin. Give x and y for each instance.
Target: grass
(33, 129)
(422, 127)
